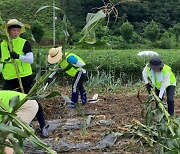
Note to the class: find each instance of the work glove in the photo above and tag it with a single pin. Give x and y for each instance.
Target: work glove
(148, 86)
(14, 55)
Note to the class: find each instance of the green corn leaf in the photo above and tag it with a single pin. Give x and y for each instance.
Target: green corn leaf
(65, 26)
(170, 143)
(40, 144)
(95, 81)
(91, 43)
(149, 118)
(66, 98)
(56, 8)
(92, 19)
(79, 109)
(174, 151)
(42, 8)
(13, 101)
(3, 110)
(16, 145)
(11, 129)
(53, 94)
(170, 126)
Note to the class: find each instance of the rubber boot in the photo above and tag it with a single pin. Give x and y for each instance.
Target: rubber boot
(74, 99)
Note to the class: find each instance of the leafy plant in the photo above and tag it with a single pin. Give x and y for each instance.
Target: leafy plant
(152, 31)
(127, 31)
(37, 31)
(160, 131)
(54, 8)
(167, 41)
(13, 131)
(176, 30)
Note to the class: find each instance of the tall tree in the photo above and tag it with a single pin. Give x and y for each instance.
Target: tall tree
(126, 31)
(152, 31)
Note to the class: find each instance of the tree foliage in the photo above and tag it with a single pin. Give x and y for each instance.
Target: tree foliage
(37, 31)
(126, 31)
(176, 30)
(167, 40)
(152, 31)
(164, 13)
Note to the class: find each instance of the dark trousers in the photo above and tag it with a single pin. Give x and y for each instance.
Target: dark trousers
(170, 91)
(27, 83)
(78, 87)
(13, 84)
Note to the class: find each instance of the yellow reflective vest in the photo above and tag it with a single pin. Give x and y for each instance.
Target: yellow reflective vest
(8, 70)
(6, 95)
(165, 69)
(72, 70)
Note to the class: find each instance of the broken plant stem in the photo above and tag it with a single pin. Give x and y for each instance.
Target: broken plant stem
(35, 87)
(40, 143)
(18, 75)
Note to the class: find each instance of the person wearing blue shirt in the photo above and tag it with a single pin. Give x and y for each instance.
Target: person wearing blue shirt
(73, 66)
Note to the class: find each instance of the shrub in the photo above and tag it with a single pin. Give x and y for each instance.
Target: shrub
(152, 31)
(167, 41)
(176, 31)
(37, 31)
(127, 31)
(124, 62)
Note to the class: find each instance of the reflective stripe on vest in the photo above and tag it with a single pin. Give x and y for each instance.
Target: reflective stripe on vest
(8, 70)
(72, 70)
(6, 95)
(165, 69)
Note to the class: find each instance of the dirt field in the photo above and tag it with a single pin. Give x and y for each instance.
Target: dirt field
(110, 114)
(114, 110)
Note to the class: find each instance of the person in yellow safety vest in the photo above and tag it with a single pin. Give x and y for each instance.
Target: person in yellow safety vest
(26, 112)
(73, 66)
(23, 56)
(162, 78)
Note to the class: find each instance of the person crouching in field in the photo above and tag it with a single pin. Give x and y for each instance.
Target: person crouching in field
(26, 112)
(162, 78)
(73, 66)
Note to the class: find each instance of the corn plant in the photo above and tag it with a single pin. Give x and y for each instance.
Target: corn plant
(54, 8)
(160, 130)
(18, 130)
(13, 131)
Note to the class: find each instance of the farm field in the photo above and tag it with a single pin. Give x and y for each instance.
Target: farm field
(113, 113)
(120, 62)
(118, 105)
(110, 114)
(59, 50)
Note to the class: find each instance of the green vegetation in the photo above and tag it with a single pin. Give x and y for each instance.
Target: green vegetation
(160, 130)
(149, 19)
(124, 63)
(140, 25)
(35, 91)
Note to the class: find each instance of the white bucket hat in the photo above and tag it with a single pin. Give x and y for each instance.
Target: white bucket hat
(55, 55)
(17, 24)
(14, 22)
